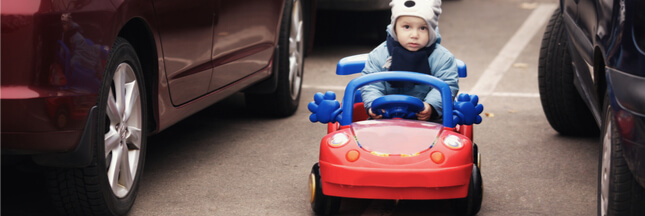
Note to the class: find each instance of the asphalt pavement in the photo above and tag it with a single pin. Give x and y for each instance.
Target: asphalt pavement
(227, 161)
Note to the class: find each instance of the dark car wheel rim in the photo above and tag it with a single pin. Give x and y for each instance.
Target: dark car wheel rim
(123, 135)
(296, 54)
(606, 165)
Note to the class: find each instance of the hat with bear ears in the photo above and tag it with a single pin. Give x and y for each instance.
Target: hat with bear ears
(429, 10)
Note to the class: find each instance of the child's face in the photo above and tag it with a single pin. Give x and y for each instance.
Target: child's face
(412, 32)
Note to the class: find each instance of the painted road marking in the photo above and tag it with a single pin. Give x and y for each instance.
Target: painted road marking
(509, 53)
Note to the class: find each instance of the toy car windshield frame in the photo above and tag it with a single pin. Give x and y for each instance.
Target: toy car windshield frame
(356, 83)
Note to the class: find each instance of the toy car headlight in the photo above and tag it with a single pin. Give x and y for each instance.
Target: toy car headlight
(338, 140)
(453, 142)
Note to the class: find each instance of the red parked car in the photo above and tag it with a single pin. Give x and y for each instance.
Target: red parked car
(85, 82)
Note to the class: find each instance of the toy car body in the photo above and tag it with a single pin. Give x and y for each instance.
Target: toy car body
(393, 158)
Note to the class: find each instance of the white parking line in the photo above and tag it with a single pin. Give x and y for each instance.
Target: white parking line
(502, 62)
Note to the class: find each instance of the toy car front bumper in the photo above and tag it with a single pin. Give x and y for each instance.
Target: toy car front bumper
(393, 183)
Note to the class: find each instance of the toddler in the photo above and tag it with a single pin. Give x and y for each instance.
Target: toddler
(412, 45)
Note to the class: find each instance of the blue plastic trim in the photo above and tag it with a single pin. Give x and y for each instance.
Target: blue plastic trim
(358, 97)
(461, 68)
(351, 64)
(353, 85)
(397, 106)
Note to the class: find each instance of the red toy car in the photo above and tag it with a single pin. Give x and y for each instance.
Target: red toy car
(395, 158)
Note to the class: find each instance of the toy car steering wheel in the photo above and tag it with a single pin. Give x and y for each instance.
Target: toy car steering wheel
(397, 106)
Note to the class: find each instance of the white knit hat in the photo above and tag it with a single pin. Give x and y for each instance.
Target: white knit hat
(429, 10)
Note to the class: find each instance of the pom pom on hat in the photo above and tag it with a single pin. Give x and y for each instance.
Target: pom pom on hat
(428, 10)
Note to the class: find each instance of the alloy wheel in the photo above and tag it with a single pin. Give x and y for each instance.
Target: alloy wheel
(123, 133)
(606, 165)
(296, 51)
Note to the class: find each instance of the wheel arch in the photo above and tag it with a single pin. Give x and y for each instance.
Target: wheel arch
(138, 33)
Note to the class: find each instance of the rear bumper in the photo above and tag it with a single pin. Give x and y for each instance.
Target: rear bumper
(54, 126)
(395, 183)
(628, 93)
(79, 156)
(43, 120)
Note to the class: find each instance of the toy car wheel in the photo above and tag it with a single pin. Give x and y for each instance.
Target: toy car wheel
(476, 156)
(561, 102)
(109, 185)
(288, 64)
(472, 203)
(618, 191)
(321, 204)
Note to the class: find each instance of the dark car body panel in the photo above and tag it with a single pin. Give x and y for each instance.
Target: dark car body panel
(604, 46)
(354, 5)
(186, 32)
(193, 54)
(48, 72)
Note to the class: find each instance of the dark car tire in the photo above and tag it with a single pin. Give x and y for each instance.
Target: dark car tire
(89, 190)
(321, 204)
(618, 191)
(473, 202)
(288, 64)
(562, 104)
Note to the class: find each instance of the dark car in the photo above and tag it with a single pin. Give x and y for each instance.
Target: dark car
(85, 82)
(592, 79)
(353, 5)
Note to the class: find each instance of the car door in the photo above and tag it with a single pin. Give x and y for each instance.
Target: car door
(244, 38)
(571, 17)
(186, 35)
(587, 23)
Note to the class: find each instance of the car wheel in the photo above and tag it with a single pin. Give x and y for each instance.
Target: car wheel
(564, 108)
(288, 64)
(618, 192)
(473, 202)
(321, 204)
(109, 185)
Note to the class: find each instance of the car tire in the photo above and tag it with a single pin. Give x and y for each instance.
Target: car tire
(288, 64)
(321, 204)
(109, 185)
(563, 106)
(618, 191)
(473, 202)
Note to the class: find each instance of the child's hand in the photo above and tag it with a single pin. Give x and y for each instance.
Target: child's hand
(374, 116)
(425, 114)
